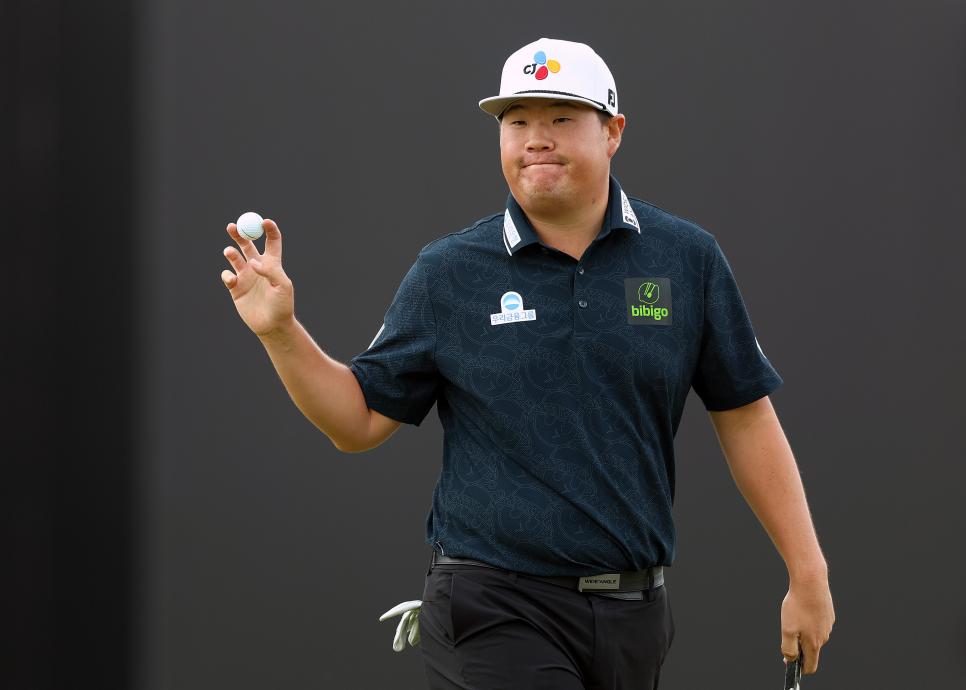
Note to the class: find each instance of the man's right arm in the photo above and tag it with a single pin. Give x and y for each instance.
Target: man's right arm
(325, 390)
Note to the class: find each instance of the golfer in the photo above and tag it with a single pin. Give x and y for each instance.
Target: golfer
(558, 339)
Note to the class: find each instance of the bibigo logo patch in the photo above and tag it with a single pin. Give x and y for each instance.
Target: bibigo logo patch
(648, 301)
(541, 67)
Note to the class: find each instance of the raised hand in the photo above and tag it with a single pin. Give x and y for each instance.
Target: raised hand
(263, 294)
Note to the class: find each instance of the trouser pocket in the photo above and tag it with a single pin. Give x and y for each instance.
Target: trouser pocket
(668, 620)
(435, 614)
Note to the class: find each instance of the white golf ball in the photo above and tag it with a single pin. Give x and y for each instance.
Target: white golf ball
(250, 225)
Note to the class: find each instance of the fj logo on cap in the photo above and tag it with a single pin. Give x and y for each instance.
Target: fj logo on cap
(541, 66)
(648, 301)
(511, 310)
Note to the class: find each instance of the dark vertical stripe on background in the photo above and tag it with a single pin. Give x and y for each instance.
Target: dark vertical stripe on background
(69, 325)
(28, 108)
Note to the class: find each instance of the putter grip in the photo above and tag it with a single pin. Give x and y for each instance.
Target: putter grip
(793, 673)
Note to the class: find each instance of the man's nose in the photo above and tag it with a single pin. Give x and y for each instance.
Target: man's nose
(539, 139)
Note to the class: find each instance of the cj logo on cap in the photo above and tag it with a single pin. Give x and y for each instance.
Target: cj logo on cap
(541, 66)
(648, 301)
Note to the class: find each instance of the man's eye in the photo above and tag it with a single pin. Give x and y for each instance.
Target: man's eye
(517, 122)
(562, 119)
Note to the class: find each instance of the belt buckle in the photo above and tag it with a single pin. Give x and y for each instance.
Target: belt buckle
(597, 582)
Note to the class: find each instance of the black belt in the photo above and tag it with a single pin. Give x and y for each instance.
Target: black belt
(624, 581)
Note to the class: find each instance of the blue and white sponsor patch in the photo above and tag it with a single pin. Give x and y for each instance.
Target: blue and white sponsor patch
(511, 310)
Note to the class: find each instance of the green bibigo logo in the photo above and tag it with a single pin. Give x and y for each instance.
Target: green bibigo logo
(648, 300)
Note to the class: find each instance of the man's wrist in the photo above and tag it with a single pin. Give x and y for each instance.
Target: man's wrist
(282, 335)
(812, 571)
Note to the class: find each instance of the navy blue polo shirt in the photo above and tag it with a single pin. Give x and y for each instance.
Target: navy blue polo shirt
(560, 383)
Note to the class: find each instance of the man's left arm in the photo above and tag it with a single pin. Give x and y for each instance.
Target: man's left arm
(767, 476)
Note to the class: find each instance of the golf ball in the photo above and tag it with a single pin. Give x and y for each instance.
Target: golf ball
(250, 225)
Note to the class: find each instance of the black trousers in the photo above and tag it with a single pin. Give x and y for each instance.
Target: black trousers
(491, 629)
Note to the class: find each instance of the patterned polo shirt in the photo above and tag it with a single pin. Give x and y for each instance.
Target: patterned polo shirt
(560, 383)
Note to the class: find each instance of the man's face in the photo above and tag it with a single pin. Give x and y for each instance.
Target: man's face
(556, 154)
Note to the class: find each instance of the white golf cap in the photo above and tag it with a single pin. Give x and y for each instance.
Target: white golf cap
(552, 68)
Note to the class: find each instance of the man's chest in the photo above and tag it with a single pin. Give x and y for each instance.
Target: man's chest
(549, 321)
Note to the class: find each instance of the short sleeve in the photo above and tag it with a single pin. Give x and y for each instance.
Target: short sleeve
(732, 369)
(397, 373)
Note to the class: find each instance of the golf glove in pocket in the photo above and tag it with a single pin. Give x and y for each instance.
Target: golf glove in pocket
(408, 624)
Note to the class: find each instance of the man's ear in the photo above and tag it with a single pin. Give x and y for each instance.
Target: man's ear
(615, 129)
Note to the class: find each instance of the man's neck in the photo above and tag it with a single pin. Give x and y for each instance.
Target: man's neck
(572, 231)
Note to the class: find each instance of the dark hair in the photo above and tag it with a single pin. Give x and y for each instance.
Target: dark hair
(605, 117)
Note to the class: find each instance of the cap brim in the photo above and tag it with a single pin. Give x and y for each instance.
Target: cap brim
(495, 105)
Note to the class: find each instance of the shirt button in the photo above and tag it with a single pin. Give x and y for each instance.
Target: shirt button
(580, 270)
(582, 303)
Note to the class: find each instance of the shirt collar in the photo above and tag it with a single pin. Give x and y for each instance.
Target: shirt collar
(518, 233)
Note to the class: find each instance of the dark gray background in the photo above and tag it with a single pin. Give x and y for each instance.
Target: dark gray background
(823, 146)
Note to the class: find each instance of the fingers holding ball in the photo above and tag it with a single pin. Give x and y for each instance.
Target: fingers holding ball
(249, 227)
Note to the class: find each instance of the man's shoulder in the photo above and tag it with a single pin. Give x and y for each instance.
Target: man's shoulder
(481, 233)
(656, 219)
